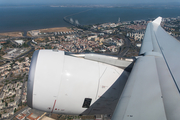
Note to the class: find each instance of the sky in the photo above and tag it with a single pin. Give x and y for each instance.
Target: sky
(18, 2)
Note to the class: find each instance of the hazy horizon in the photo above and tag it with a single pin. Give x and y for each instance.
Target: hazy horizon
(84, 2)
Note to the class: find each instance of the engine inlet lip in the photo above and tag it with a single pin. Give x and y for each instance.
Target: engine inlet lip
(30, 83)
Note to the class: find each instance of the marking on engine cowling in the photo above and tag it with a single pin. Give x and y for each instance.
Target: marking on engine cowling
(53, 106)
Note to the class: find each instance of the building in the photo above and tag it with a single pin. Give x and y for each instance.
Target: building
(21, 116)
(2, 95)
(16, 99)
(19, 42)
(12, 104)
(24, 98)
(34, 32)
(92, 37)
(112, 25)
(10, 51)
(2, 105)
(108, 31)
(18, 92)
(6, 115)
(11, 111)
(33, 117)
(137, 36)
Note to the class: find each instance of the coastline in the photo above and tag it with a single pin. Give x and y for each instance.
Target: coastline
(45, 30)
(54, 29)
(52, 17)
(12, 34)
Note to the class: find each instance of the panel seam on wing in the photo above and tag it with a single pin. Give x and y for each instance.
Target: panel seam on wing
(167, 64)
(99, 81)
(160, 87)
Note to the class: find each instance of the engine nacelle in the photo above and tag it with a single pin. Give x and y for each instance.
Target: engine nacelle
(64, 84)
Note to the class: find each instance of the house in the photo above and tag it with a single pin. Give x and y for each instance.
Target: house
(5, 115)
(21, 116)
(12, 104)
(24, 98)
(33, 117)
(11, 111)
(18, 92)
(16, 99)
(6, 89)
(2, 95)
(19, 42)
(2, 105)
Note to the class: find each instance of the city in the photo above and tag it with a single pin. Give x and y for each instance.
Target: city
(122, 39)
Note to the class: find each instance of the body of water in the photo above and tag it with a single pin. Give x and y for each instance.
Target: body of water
(30, 18)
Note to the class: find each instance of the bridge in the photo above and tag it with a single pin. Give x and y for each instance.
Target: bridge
(72, 22)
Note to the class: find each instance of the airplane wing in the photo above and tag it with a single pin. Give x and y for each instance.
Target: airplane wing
(152, 89)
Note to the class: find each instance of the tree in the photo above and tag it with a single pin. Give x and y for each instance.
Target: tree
(132, 22)
(15, 110)
(14, 96)
(25, 45)
(6, 104)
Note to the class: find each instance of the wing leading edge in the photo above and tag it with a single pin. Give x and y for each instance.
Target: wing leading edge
(152, 89)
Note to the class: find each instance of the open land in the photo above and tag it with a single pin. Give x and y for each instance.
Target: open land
(56, 29)
(47, 30)
(12, 34)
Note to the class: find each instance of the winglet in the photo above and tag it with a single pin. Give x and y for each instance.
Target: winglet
(158, 20)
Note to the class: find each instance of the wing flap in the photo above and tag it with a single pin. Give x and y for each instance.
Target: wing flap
(170, 94)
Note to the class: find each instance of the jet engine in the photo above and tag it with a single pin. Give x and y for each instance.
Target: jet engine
(65, 84)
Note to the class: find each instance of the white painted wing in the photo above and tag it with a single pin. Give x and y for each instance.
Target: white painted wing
(152, 89)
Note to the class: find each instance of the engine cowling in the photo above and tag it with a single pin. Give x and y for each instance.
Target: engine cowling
(64, 84)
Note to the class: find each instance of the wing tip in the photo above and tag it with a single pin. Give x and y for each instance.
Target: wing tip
(158, 20)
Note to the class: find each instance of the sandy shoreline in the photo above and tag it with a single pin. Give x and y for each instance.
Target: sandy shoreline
(56, 29)
(12, 34)
(45, 30)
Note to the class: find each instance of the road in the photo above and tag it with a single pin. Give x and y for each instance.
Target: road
(125, 48)
(2, 90)
(11, 117)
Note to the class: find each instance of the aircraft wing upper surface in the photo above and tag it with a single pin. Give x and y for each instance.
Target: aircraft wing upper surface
(152, 89)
